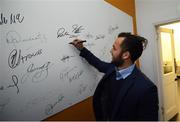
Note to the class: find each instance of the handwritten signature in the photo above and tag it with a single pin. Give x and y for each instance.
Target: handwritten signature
(76, 29)
(15, 83)
(71, 74)
(36, 74)
(66, 58)
(15, 57)
(13, 19)
(76, 75)
(49, 108)
(16, 18)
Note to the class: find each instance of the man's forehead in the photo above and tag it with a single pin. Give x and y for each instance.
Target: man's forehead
(119, 40)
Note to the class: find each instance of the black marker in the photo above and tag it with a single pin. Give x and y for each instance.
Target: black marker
(82, 41)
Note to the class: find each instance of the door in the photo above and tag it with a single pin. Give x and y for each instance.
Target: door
(170, 106)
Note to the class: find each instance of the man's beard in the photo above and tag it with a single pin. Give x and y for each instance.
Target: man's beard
(118, 61)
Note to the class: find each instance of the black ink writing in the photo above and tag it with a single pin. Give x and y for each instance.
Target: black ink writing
(15, 57)
(15, 83)
(66, 58)
(29, 56)
(76, 75)
(16, 18)
(71, 74)
(62, 32)
(37, 73)
(66, 72)
(77, 28)
(13, 19)
(3, 20)
(49, 108)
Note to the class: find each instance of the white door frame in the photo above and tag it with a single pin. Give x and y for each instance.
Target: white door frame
(158, 65)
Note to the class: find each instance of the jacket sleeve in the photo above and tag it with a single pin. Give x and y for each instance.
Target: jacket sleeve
(94, 61)
(148, 106)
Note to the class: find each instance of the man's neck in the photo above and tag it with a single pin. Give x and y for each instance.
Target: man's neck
(125, 65)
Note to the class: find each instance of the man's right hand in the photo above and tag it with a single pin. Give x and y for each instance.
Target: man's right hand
(78, 43)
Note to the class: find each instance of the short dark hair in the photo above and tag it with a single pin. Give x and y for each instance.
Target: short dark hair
(134, 44)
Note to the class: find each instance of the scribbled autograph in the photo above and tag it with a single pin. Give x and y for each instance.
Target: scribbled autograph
(66, 58)
(36, 74)
(15, 57)
(71, 74)
(49, 108)
(13, 19)
(76, 29)
(76, 75)
(15, 83)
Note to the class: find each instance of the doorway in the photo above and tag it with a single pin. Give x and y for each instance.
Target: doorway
(169, 55)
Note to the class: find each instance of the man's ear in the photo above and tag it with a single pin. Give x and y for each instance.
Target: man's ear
(126, 55)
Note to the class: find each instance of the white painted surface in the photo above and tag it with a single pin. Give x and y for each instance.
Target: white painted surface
(48, 84)
(148, 14)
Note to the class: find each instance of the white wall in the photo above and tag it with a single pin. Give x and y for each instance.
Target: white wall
(40, 73)
(149, 13)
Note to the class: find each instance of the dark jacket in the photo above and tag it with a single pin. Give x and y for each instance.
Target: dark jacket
(137, 99)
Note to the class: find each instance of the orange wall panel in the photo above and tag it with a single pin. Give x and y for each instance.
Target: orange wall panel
(84, 110)
(128, 6)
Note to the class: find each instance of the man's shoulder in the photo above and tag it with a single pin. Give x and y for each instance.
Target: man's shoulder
(142, 80)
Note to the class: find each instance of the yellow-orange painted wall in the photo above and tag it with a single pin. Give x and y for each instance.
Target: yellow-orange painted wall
(84, 110)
